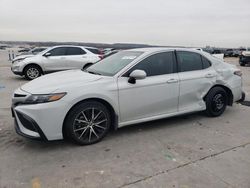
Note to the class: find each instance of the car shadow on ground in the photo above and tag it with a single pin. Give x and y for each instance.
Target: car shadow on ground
(162, 124)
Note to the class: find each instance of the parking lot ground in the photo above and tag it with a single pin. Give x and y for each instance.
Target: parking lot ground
(182, 152)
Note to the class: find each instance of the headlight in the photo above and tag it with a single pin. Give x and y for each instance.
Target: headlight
(18, 60)
(35, 99)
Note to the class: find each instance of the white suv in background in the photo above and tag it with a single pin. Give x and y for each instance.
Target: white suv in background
(54, 59)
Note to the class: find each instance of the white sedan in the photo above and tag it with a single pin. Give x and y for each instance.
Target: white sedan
(129, 87)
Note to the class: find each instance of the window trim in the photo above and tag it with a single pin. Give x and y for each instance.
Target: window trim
(175, 70)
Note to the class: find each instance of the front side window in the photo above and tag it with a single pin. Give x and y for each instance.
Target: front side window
(75, 51)
(157, 64)
(60, 51)
(189, 61)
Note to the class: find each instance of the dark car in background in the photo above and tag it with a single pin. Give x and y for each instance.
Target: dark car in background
(245, 57)
(229, 53)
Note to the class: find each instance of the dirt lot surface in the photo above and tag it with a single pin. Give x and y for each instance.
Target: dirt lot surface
(182, 152)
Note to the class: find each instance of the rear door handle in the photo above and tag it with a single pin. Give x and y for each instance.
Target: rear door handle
(172, 80)
(209, 75)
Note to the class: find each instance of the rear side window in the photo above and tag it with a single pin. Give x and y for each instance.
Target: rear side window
(94, 50)
(189, 61)
(157, 64)
(75, 51)
(60, 51)
(206, 62)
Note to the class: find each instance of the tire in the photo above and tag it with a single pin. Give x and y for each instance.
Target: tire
(86, 66)
(32, 71)
(85, 126)
(216, 102)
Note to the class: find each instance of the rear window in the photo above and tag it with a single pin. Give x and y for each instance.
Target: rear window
(206, 62)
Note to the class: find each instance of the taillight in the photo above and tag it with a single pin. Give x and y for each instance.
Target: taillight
(238, 73)
(100, 56)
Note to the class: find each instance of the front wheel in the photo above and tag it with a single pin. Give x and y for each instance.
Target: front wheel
(87, 123)
(32, 71)
(216, 102)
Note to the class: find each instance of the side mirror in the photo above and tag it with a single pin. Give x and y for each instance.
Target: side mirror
(47, 54)
(136, 75)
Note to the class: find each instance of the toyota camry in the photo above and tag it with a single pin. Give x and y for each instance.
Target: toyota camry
(129, 87)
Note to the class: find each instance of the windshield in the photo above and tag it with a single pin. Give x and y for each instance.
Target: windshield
(114, 63)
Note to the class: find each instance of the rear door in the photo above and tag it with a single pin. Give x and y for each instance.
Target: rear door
(157, 94)
(76, 58)
(57, 59)
(196, 76)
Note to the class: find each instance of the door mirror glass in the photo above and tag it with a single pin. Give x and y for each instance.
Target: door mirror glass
(47, 55)
(136, 75)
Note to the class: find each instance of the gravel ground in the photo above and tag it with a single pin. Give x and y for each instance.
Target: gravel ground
(182, 152)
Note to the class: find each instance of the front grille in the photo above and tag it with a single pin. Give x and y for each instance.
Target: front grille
(26, 121)
(19, 95)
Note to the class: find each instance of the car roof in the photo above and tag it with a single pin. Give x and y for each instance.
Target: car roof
(158, 49)
(73, 46)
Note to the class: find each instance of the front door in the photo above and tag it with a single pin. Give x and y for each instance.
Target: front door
(56, 60)
(157, 94)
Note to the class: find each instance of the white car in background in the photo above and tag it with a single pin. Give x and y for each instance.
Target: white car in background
(215, 53)
(54, 59)
(129, 87)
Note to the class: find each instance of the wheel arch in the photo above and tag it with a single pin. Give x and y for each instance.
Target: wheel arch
(87, 65)
(228, 91)
(114, 116)
(34, 64)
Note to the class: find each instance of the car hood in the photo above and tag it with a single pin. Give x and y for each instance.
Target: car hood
(22, 57)
(58, 81)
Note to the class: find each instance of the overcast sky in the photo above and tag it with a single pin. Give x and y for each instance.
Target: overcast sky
(221, 23)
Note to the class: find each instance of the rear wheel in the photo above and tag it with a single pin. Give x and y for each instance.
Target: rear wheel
(87, 123)
(32, 71)
(216, 102)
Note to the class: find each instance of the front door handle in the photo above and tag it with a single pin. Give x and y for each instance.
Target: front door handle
(172, 80)
(209, 75)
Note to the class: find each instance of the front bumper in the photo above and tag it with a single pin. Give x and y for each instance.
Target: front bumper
(27, 127)
(17, 72)
(40, 121)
